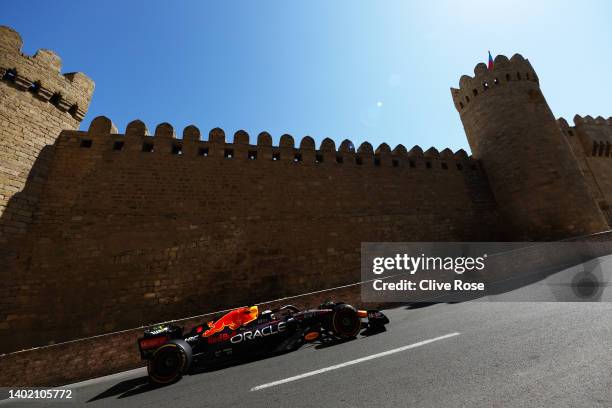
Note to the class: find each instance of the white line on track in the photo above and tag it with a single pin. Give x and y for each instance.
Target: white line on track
(352, 362)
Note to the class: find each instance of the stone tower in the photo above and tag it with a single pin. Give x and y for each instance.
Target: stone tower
(533, 174)
(36, 103)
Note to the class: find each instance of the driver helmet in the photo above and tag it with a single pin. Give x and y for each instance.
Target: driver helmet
(267, 314)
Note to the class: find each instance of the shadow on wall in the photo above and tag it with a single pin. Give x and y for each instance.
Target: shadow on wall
(17, 289)
(128, 237)
(48, 294)
(21, 207)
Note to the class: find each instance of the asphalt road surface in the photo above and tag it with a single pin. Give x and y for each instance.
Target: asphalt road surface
(473, 354)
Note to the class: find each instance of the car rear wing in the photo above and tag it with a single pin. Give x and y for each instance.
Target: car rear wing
(156, 336)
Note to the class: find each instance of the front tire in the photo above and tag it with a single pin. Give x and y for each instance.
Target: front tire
(346, 323)
(169, 362)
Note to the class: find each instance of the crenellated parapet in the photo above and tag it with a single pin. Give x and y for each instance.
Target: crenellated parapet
(41, 75)
(589, 121)
(505, 72)
(102, 136)
(595, 134)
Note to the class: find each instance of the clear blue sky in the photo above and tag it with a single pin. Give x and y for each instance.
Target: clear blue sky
(365, 70)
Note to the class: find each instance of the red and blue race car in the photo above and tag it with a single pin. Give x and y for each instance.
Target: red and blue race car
(244, 332)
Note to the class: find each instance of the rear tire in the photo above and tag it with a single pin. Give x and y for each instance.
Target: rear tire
(169, 362)
(346, 323)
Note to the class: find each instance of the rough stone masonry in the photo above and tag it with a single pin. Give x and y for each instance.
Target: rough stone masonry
(101, 231)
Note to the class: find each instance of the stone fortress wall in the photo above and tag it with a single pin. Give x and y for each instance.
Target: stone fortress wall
(529, 163)
(135, 228)
(37, 102)
(104, 231)
(590, 140)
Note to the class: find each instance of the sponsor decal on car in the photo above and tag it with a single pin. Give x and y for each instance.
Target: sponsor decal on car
(219, 338)
(254, 334)
(233, 319)
(158, 330)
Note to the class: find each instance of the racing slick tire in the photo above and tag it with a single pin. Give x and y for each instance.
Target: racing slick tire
(169, 362)
(346, 323)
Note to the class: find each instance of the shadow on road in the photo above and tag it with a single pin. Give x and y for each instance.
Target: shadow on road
(583, 283)
(125, 389)
(140, 385)
(330, 342)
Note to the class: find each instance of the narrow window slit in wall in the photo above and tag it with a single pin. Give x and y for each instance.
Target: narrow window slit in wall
(445, 166)
(319, 158)
(252, 154)
(35, 87)
(10, 75)
(86, 143)
(412, 163)
(55, 99)
(459, 166)
(339, 159)
(297, 158)
(118, 145)
(595, 146)
(177, 149)
(228, 153)
(376, 161)
(428, 165)
(276, 156)
(147, 147)
(203, 151)
(358, 161)
(395, 163)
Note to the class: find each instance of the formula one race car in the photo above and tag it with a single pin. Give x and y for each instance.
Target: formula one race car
(244, 332)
